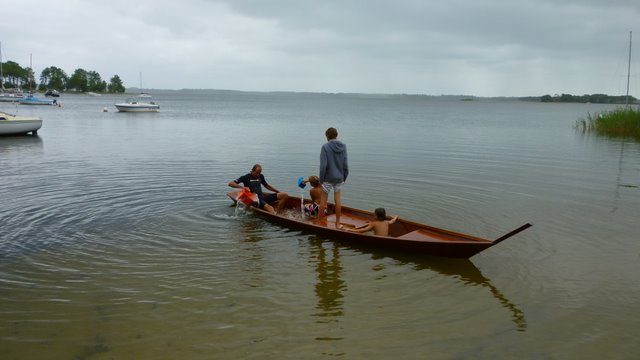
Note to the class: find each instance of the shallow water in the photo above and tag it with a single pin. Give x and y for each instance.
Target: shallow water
(118, 240)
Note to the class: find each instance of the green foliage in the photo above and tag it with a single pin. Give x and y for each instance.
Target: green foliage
(95, 83)
(31, 80)
(15, 76)
(79, 81)
(53, 78)
(84, 81)
(620, 122)
(115, 85)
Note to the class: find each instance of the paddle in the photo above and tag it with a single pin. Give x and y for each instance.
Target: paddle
(510, 234)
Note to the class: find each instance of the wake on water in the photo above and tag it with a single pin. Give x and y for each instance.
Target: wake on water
(241, 210)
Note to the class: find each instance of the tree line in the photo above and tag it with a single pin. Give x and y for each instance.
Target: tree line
(593, 98)
(54, 78)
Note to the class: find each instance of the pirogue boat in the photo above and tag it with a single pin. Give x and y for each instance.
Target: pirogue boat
(403, 235)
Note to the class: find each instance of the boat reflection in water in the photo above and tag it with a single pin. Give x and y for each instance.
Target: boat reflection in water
(330, 287)
(22, 144)
(465, 270)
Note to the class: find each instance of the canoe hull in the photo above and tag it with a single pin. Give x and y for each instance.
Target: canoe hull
(455, 249)
(404, 236)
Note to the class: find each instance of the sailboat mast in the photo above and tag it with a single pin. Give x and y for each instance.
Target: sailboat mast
(629, 68)
(1, 73)
(30, 71)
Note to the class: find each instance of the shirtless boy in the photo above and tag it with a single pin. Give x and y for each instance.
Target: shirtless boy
(316, 195)
(380, 226)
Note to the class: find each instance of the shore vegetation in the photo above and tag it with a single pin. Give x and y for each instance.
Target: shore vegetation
(593, 98)
(623, 122)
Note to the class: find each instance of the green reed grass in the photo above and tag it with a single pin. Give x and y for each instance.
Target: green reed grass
(620, 122)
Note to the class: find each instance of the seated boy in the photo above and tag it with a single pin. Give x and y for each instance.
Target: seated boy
(315, 192)
(380, 226)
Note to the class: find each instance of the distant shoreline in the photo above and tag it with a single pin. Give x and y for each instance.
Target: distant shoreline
(564, 98)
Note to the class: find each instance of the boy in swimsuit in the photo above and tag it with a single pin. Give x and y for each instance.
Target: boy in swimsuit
(315, 192)
(380, 226)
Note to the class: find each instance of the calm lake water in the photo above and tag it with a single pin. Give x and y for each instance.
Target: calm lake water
(118, 241)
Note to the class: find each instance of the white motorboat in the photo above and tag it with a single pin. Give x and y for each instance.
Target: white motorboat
(13, 124)
(136, 105)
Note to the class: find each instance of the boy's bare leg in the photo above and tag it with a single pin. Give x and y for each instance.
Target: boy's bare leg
(338, 208)
(322, 207)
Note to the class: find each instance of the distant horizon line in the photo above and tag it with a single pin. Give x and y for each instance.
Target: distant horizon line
(137, 89)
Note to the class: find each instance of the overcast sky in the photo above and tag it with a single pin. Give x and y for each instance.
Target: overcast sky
(470, 47)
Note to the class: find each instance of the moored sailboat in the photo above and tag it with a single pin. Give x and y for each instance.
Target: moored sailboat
(32, 99)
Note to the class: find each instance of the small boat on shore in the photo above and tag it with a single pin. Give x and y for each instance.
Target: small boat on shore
(136, 105)
(404, 235)
(13, 124)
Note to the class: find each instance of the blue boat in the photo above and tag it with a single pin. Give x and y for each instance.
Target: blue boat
(32, 100)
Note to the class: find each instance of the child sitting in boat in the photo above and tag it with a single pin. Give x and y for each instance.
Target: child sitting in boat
(315, 192)
(380, 226)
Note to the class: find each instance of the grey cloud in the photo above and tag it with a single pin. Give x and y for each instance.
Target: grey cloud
(495, 47)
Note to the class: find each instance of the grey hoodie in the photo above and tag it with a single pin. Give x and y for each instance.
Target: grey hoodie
(334, 167)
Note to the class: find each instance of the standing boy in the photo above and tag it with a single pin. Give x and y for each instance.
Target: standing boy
(334, 169)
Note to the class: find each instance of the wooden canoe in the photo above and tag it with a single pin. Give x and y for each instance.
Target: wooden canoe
(403, 235)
